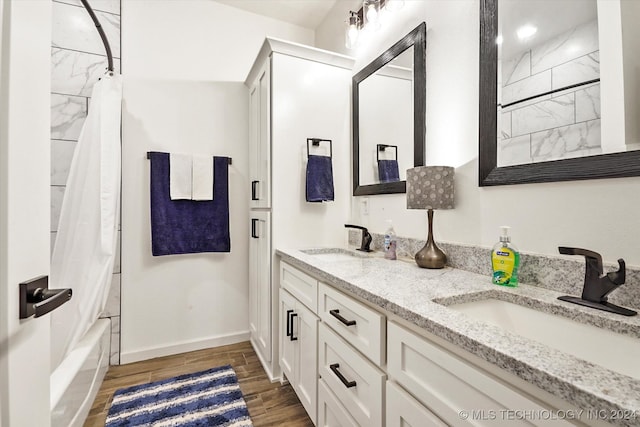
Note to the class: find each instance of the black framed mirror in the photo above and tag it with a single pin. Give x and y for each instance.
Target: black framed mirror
(625, 163)
(388, 116)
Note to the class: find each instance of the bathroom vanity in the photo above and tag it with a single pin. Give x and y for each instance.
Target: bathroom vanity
(399, 345)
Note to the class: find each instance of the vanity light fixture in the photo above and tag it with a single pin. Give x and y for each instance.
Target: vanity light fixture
(367, 16)
(526, 31)
(430, 187)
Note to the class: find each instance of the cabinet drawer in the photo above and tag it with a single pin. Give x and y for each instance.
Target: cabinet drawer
(447, 384)
(331, 413)
(361, 387)
(361, 326)
(403, 410)
(300, 285)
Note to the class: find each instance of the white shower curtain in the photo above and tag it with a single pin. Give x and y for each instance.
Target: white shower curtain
(85, 246)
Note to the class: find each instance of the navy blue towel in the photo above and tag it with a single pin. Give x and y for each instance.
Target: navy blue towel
(388, 171)
(188, 226)
(319, 179)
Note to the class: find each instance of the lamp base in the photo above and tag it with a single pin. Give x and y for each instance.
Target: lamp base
(431, 256)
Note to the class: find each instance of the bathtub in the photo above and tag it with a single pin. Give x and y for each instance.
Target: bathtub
(75, 383)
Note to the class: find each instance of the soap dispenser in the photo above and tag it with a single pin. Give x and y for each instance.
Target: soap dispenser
(505, 260)
(390, 241)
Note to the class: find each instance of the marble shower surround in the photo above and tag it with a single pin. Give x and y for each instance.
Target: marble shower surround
(556, 126)
(563, 274)
(77, 61)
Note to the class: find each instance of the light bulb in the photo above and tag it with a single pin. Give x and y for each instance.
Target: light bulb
(352, 37)
(371, 12)
(352, 31)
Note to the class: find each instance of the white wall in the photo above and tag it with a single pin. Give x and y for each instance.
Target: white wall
(309, 100)
(611, 76)
(196, 39)
(598, 214)
(182, 302)
(631, 46)
(173, 53)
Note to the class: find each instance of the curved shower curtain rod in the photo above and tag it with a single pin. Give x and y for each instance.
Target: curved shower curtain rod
(103, 36)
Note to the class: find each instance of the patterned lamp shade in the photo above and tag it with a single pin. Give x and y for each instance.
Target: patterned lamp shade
(430, 187)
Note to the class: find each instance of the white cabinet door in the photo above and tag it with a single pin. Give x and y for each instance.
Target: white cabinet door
(260, 283)
(305, 328)
(260, 138)
(299, 350)
(287, 344)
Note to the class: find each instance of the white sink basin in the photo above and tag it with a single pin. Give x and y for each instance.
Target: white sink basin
(333, 254)
(620, 353)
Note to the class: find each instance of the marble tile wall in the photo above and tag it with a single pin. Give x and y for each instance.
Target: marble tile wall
(560, 125)
(564, 274)
(78, 61)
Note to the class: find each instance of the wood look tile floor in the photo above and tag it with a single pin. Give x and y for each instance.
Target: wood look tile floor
(269, 404)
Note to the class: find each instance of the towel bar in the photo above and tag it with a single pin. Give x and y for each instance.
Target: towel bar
(316, 142)
(383, 147)
(149, 156)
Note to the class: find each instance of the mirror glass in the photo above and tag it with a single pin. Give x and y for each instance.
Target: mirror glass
(548, 81)
(389, 117)
(386, 122)
(552, 120)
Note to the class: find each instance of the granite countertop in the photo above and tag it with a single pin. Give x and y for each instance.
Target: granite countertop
(421, 296)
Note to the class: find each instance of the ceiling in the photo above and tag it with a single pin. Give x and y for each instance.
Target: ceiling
(304, 13)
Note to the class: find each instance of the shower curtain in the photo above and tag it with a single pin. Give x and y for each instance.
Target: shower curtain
(85, 247)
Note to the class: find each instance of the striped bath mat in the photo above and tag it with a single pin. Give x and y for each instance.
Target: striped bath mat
(207, 398)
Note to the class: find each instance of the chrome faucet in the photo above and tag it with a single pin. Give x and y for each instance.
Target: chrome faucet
(597, 285)
(366, 237)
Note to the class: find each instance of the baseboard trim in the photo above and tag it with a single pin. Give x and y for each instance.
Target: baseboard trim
(150, 353)
(266, 366)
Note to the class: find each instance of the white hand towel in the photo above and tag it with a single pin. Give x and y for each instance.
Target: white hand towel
(202, 178)
(180, 176)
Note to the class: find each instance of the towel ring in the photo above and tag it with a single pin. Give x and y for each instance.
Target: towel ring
(316, 143)
(383, 147)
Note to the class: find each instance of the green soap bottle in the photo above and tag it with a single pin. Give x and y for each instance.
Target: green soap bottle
(505, 260)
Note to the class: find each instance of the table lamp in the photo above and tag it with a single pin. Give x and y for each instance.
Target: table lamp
(430, 187)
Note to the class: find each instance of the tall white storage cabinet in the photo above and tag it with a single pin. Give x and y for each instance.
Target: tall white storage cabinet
(295, 92)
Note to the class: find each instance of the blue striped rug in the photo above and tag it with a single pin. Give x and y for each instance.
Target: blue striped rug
(207, 398)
